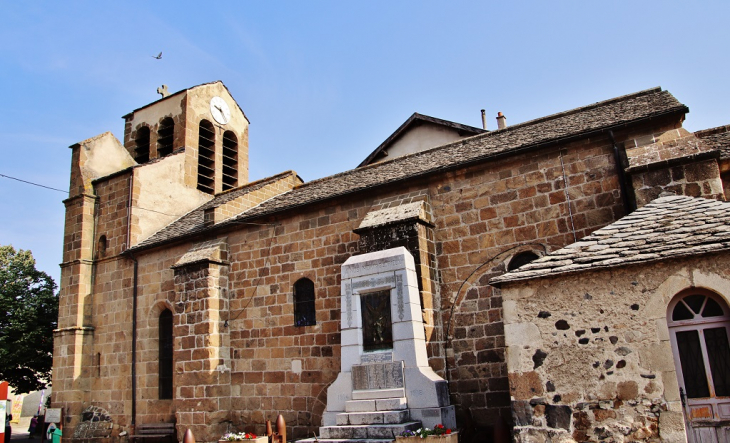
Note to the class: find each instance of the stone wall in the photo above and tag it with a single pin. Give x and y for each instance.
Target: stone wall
(673, 161)
(589, 355)
(483, 215)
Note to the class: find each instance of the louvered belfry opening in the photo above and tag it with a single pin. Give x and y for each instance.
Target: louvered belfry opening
(165, 137)
(142, 145)
(206, 157)
(230, 160)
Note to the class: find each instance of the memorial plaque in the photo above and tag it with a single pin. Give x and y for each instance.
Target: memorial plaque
(377, 329)
(378, 376)
(53, 415)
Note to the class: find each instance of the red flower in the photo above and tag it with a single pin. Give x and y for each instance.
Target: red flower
(448, 431)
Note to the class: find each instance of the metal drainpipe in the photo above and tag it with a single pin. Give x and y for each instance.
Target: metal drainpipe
(134, 300)
(134, 341)
(621, 176)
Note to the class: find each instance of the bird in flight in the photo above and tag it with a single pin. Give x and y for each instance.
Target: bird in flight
(158, 56)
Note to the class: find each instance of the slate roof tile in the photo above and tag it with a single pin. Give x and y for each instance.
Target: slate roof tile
(667, 227)
(513, 139)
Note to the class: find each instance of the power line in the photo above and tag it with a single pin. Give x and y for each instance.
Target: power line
(137, 207)
(34, 184)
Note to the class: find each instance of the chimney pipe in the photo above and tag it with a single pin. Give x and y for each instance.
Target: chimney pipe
(501, 121)
(484, 119)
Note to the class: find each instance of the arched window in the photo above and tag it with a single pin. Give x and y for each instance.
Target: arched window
(165, 137)
(304, 314)
(165, 355)
(101, 247)
(699, 326)
(142, 145)
(206, 157)
(230, 160)
(521, 259)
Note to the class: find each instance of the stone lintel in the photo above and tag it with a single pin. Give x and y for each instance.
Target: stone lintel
(211, 251)
(415, 211)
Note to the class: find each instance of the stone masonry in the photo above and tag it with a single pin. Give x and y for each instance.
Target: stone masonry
(239, 360)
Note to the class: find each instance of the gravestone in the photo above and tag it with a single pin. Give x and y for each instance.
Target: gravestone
(385, 381)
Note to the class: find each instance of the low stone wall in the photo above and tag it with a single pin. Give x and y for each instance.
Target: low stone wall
(589, 355)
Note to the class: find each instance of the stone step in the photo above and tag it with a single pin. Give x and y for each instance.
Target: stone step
(373, 418)
(346, 440)
(385, 431)
(383, 404)
(375, 394)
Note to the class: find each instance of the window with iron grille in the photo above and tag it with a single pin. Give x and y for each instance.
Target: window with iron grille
(165, 355)
(304, 313)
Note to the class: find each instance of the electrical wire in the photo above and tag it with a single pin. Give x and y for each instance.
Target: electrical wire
(34, 184)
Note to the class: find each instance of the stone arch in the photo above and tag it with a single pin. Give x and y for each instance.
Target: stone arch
(496, 265)
(476, 367)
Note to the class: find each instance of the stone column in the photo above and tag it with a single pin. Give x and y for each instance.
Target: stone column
(202, 378)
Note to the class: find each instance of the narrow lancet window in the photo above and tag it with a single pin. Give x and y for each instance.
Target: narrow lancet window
(165, 137)
(165, 355)
(142, 145)
(206, 157)
(304, 313)
(230, 160)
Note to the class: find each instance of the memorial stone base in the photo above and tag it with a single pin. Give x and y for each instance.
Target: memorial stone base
(385, 385)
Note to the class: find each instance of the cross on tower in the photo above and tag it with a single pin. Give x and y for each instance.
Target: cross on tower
(162, 90)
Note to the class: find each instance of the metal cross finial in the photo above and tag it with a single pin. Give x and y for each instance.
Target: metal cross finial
(162, 90)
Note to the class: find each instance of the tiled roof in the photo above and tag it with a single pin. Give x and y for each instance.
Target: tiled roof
(717, 138)
(667, 227)
(590, 119)
(416, 119)
(192, 222)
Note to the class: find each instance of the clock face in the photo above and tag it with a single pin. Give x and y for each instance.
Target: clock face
(219, 110)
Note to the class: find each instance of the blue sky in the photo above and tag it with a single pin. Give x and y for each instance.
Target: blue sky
(325, 82)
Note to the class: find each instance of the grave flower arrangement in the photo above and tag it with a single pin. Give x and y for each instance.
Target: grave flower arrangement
(437, 430)
(240, 436)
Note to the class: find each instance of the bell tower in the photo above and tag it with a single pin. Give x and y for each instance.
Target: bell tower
(206, 123)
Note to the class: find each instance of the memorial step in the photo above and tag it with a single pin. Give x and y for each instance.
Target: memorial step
(385, 431)
(346, 440)
(382, 404)
(373, 418)
(375, 394)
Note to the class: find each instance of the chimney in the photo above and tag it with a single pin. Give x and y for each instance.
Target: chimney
(501, 121)
(484, 119)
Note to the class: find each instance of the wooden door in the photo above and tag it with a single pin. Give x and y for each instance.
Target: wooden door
(699, 326)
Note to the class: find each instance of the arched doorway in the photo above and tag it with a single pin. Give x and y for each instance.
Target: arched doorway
(699, 330)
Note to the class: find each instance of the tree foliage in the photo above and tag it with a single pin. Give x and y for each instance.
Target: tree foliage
(28, 316)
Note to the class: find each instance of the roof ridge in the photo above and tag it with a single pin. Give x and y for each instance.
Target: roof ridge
(580, 109)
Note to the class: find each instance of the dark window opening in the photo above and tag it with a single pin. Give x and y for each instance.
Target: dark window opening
(165, 137)
(206, 157)
(165, 355)
(693, 366)
(521, 259)
(101, 247)
(142, 145)
(304, 313)
(377, 327)
(230, 160)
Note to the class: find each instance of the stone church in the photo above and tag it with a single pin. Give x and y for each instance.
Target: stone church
(562, 279)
